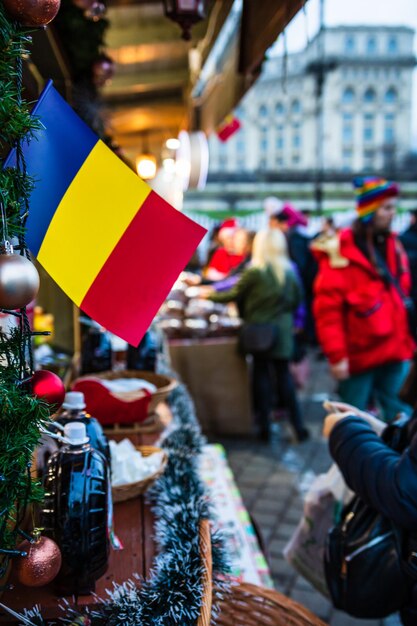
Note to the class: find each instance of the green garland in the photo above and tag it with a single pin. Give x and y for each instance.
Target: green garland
(83, 39)
(21, 415)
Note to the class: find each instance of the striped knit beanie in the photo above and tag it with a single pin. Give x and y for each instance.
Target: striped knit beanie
(370, 193)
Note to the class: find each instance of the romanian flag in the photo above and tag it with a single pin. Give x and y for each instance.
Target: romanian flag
(111, 243)
(228, 127)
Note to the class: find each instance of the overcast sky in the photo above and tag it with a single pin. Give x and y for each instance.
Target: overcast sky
(339, 12)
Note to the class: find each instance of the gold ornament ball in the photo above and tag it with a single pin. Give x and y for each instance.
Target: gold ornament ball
(41, 565)
(19, 281)
(32, 13)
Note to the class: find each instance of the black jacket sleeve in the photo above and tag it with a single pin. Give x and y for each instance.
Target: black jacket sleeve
(382, 477)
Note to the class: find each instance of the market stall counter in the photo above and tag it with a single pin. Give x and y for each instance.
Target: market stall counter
(217, 377)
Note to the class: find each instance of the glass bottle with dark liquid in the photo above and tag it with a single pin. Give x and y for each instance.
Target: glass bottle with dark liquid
(73, 411)
(96, 350)
(76, 511)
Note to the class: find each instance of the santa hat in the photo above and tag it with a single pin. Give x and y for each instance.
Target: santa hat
(293, 217)
(228, 227)
(370, 194)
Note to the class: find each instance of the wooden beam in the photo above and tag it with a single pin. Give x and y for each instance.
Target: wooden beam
(262, 22)
(145, 83)
(140, 118)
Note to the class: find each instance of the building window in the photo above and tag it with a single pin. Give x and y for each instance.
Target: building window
(280, 142)
(349, 44)
(296, 141)
(368, 128)
(222, 161)
(347, 134)
(369, 96)
(240, 144)
(295, 159)
(392, 45)
(279, 161)
(390, 96)
(241, 163)
(263, 111)
(371, 45)
(347, 128)
(296, 107)
(368, 159)
(264, 144)
(348, 95)
(347, 159)
(279, 109)
(262, 164)
(389, 129)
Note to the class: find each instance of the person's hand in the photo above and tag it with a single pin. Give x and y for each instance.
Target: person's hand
(205, 292)
(192, 279)
(342, 407)
(340, 370)
(331, 420)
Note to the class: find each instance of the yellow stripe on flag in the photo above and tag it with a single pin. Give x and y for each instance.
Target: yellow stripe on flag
(92, 216)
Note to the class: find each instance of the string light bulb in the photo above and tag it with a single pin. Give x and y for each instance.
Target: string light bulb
(146, 166)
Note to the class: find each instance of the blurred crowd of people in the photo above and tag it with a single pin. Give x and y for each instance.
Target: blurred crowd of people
(349, 290)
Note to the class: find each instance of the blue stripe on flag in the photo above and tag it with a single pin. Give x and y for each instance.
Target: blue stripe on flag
(53, 157)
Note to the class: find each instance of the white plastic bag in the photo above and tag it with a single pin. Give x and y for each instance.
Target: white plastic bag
(323, 504)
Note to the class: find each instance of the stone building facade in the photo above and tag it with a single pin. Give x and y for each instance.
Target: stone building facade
(366, 107)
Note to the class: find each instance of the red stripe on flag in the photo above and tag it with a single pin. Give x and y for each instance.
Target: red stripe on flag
(140, 271)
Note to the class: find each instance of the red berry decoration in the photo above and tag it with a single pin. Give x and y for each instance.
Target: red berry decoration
(102, 70)
(83, 4)
(32, 13)
(42, 563)
(49, 387)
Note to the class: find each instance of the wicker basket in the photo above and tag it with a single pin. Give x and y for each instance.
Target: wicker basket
(247, 604)
(132, 490)
(207, 563)
(251, 605)
(164, 385)
(154, 424)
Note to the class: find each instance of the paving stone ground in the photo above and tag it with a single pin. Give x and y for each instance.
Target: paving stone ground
(272, 479)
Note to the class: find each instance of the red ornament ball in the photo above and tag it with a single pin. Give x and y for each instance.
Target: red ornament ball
(49, 387)
(32, 13)
(42, 563)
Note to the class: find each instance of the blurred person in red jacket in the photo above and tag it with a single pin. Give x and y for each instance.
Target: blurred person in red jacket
(359, 307)
(225, 257)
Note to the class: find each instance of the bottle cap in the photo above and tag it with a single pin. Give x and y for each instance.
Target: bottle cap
(76, 433)
(74, 400)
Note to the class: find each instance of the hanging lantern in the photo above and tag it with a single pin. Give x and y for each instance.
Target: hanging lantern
(186, 13)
